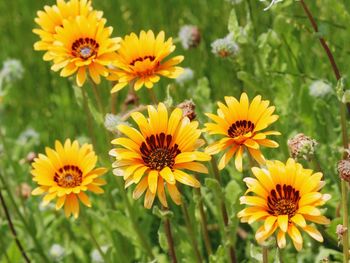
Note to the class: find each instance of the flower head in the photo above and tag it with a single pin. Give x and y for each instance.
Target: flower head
(12, 70)
(190, 36)
(241, 123)
(319, 89)
(57, 252)
(66, 173)
(140, 60)
(52, 17)
(225, 47)
(155, 156)
(302, 146)
(83, 44)
(285, 197)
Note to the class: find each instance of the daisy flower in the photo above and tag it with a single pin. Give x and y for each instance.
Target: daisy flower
(155, 156)
(66, 173)
(141, 61)
(241, 124)
(285, 197)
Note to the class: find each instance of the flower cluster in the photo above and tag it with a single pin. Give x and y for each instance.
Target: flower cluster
(163, 150)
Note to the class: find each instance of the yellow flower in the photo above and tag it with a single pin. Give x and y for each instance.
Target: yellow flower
(285, 197)
(241, 123)
(140, 61)
(66, 173)
(52, 17)
(155, 156)
(84, 44)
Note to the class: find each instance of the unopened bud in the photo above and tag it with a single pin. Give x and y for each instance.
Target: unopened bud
(30, 157)
(302, 146)
(188, 109)
(344, 169)
(340, 231)
(225, 47)
(190, 36)
(24, 190)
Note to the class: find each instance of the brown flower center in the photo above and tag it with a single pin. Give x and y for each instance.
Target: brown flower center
(240, 128)
(133, 62)
(84, 48)
(157, 152)
(283, 201)
(68, 176)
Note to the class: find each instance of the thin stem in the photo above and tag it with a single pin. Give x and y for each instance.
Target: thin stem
(232, 253)
(98, 98)
(153, 96)
(344, 186)
(135, 225)
(280, 256)
(204, 223)
(12, 228)
(88, 115)
(113, 102)
(93, 238)
(323, 42)
(170, 240)
(190, 231)
(12, 200)
(265, 254)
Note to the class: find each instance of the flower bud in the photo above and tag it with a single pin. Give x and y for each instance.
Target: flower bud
(225, 47)
(188, 109)
(190, 36)
(56, 252)
(30, 157)
(340, 231)
(12, 70)
(344, 169)
(302, 146)
(24, 190)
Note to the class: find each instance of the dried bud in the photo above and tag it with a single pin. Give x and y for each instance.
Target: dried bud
(190, 36)
(24, 190)
(225, 47)
(302, 146)
(188, 109)
(131, 98)
(30, 157)
(340, 231)
(344, 169)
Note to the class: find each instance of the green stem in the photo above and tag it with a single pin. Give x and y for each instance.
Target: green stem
(265, 254)
(12, 228)
(190, 231)
(169, 236)
(153, 96)
(98, 98)
(344, 197)
(88, 116)
(337, 74)
(135, 224)
(93, 238)
(204, 223)
(40, 250)
(228, 235)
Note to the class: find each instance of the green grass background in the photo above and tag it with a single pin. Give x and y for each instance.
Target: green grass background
(280, 70)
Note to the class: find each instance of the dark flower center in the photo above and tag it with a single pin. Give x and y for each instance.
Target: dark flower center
(240, 128)
(68, 176)
(158, 152)
(133, 62)
(283, 201)
(84, 48)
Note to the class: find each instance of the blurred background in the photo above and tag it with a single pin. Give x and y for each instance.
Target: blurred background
(274, 53)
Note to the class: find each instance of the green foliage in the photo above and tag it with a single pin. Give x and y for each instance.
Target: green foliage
(279, 58)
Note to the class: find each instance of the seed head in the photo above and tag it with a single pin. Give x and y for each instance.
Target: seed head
(190, 36)
(302, 146)
(188, 109)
